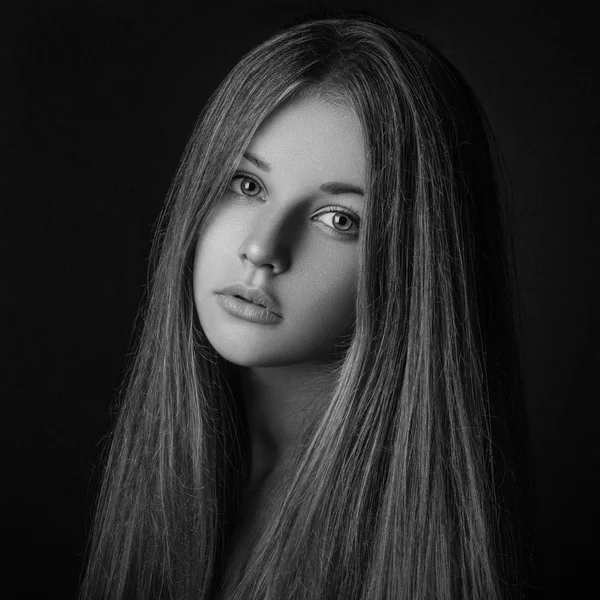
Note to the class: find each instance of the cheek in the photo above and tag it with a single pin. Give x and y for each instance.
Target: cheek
(330, 299)
(217, 246)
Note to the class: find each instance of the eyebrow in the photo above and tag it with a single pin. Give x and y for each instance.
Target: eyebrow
(257, 162)
(331, 187)
(337, 188)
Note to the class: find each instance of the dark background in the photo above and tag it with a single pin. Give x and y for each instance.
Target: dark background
(96, 104)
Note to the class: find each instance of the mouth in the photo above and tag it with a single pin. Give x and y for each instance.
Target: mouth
(254, 296)
(250, 301)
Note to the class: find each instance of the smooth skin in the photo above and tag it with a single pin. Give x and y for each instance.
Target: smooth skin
(289, 225)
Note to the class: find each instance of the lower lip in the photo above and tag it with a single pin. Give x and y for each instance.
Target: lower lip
(247, 311)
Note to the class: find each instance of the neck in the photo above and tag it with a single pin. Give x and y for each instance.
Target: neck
(279, 400)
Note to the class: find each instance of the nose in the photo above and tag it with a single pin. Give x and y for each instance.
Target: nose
(268, 244)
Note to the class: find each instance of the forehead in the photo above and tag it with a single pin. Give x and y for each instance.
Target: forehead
(313, 134)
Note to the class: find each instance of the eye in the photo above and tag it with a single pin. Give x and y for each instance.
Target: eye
(244, 184)
(340, 220)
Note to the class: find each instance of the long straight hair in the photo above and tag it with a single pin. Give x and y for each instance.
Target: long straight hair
(406, 487)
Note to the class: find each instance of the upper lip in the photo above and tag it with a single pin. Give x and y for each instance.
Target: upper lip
(254, 295)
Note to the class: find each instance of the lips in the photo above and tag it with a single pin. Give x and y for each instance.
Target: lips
(253, 296)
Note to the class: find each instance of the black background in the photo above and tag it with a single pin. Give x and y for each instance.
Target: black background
(97, 102)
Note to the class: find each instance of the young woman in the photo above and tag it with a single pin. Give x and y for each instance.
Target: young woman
(325, 400)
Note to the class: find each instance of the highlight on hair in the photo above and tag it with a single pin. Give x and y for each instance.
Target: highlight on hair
(406, 487)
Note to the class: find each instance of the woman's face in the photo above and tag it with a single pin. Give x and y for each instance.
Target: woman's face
(287, 227)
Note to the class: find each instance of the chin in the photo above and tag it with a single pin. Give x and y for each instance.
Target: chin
(272, 348)
(254, 358)
(257, 357)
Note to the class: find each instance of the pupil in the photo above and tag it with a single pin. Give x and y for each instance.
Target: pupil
(249, 187)
(342, 221)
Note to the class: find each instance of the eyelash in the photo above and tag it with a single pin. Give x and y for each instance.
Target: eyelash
(340, 209)
(329, 209)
